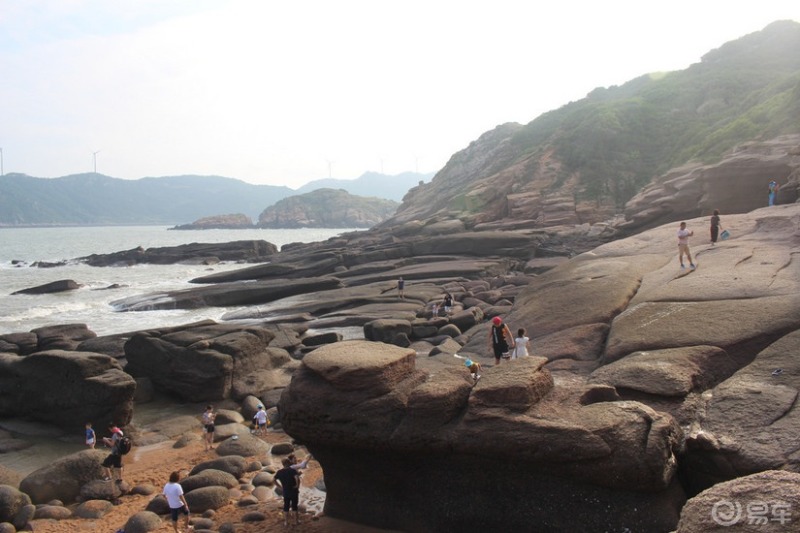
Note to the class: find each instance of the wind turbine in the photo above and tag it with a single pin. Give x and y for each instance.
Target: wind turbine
(330, 164)
(94, 158)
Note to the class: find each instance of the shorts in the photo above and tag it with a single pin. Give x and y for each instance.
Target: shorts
(89, 442)
(499, 350)
(113, 461)
(683, 248)
(291, 499)
(208, 428)
(175, 512)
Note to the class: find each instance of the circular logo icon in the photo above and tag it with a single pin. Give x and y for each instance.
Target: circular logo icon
(726, 513)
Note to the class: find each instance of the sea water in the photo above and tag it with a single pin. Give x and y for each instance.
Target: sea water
(21, 247)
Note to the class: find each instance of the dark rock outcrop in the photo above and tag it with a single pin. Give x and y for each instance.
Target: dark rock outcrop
(208, 361)
(65, 388)
(195, 253)
(54, 286)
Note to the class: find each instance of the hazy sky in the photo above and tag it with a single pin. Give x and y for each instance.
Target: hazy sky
(286, 92)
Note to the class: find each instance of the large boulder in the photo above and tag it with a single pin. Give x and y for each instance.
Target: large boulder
(62, 479)
(209, 477)
(205, 498)
(360, 402)
(65, 388)
(207, 362)
(12, 503)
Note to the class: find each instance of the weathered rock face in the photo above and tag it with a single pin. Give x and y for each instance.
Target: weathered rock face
(61, 337)
(65, 388)
(766, 501)
(737, 184)
(209, 362)
(399, 417)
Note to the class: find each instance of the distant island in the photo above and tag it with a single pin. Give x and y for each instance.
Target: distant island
(322, 208)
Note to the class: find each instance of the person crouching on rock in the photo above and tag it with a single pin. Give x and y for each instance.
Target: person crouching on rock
(177, 502)
(499, 336)
(114, 459)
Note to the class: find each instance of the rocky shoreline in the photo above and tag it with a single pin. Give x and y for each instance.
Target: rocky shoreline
(649, 384)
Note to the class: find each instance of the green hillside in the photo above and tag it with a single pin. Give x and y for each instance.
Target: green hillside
(617, 139)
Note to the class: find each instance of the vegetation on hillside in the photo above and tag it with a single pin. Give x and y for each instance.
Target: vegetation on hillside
(617, 139)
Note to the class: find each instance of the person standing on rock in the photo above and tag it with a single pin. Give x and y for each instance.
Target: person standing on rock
(208, 427)
(90, 436)
(520, 344)
(114, 459)
(683, 245)
(401, 285)
(176, 500)
(772, 190)
(288, 479)
(715, 227)
(499, 338)
(448, 303)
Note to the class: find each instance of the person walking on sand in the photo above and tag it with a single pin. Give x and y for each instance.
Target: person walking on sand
(772, 192)
(401, 285)
(715, 227)
(288, 479)
(683, 245)
(90, 436)
(499, 337)
(114, 459)
(208, 426)
(177, 502)
(520, 345)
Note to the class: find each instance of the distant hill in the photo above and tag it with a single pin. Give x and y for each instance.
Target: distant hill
(372, 184)
(327, 208)
(87, 199)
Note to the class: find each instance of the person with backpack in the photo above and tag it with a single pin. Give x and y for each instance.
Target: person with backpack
(114, 459)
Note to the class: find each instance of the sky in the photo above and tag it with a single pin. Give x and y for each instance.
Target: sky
(283, 93)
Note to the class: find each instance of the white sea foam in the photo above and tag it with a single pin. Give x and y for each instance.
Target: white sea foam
(91, 303)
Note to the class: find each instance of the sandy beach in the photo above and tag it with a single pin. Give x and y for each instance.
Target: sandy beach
(151, 465)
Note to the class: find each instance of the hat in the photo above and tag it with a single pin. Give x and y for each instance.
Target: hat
(497, 321)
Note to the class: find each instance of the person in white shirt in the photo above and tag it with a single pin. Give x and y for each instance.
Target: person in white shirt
(520, 344)
(261, 420)
(683, 245)
(177, 503)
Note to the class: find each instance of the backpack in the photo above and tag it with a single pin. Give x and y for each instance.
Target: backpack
(124, 445)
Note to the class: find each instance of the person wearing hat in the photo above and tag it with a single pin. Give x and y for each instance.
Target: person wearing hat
(499, 337)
